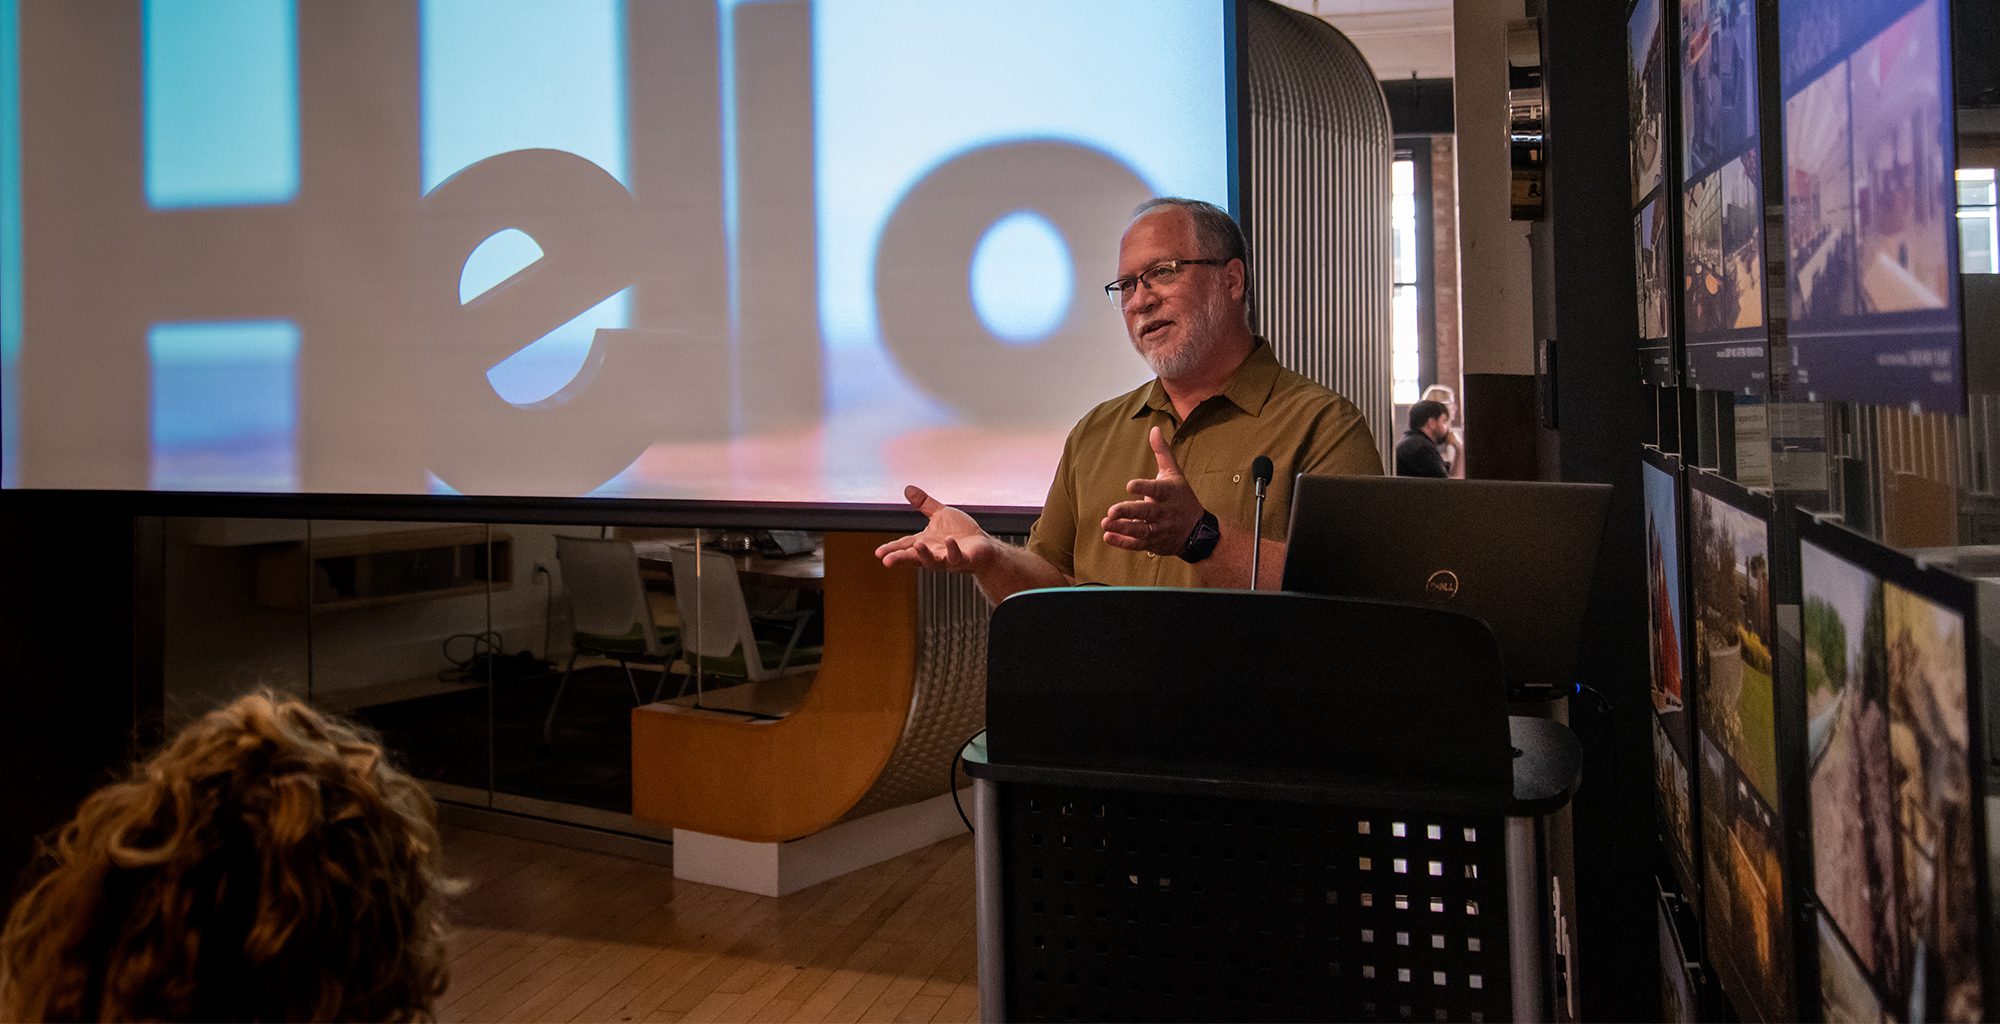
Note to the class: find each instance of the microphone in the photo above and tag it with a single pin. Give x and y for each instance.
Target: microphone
(1261, 471)
(1260, 476)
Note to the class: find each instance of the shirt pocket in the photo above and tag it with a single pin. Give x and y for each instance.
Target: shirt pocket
(1232, 496)
(1226, 492)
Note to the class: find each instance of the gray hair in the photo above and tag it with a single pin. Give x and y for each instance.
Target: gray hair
(1216, 234)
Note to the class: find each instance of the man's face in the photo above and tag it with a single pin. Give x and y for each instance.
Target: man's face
(1174, 327)
(1437, 427)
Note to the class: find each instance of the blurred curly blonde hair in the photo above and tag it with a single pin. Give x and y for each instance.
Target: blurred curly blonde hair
(268, 864)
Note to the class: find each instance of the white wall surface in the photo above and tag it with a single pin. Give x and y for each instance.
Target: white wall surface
(1400, 38)
(1495, 284)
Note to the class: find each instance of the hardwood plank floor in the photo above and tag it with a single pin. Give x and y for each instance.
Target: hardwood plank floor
(546, 933)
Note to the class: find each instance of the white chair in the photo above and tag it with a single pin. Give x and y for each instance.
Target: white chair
(717, 635)
(609, 615)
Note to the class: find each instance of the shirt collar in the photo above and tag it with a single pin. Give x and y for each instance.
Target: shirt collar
(1248, 388)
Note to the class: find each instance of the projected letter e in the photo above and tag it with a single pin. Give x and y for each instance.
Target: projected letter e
(586, 224)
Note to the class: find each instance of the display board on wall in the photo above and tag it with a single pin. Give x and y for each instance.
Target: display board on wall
(1680, 997)
(1666, 633)
(1722, 206)
(1892, 748)
(1647, 55)
(1745, 894)
(1872, 255)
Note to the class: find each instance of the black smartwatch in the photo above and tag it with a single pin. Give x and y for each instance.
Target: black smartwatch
(1201, 543)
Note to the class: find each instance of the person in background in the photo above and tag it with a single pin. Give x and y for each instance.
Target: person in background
(267, 864)
(1417, 452)
(1154, 487)
(1452, 448)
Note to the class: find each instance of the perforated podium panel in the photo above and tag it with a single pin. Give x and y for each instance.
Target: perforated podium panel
(1350, 835)
(1134, 906)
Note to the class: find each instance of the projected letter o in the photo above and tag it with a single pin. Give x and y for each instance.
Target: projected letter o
(923, 291)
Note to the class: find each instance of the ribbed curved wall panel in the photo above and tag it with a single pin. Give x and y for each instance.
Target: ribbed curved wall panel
(1316, 146)
(949, 702)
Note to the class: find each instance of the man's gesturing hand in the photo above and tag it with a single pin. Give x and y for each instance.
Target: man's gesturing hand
(1165, 511)
(951, 541)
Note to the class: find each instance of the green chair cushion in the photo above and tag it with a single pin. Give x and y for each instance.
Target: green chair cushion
(629, 644)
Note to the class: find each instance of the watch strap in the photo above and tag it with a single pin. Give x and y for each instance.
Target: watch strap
(1202, 540)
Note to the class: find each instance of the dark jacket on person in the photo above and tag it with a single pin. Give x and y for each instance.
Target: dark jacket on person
(1417, 455)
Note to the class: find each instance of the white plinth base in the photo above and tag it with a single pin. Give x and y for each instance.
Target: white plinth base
(780, 869)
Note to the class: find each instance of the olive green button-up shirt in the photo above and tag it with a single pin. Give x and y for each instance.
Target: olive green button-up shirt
(1264, 410)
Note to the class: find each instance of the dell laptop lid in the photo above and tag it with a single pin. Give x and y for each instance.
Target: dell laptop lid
(1519, 555)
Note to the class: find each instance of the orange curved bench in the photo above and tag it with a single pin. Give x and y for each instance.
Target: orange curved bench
(773, 781)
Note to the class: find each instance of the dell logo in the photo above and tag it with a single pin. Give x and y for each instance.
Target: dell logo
(1442, 584)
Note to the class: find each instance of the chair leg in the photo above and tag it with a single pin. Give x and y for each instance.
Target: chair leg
(549, 723)
(630, 681)
(666, 673)
(791, 644)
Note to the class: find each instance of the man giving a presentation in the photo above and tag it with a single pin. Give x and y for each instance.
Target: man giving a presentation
(1154, 487)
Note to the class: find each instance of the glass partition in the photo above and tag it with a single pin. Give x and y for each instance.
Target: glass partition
(499, 662)
(233, 620)
(403, 638)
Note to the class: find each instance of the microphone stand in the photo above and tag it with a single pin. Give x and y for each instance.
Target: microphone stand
(1257, 535)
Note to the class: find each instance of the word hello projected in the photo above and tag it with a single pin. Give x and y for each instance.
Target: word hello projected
(391, 377)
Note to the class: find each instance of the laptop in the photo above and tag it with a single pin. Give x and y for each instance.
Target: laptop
(787, 543)
(1519, 555)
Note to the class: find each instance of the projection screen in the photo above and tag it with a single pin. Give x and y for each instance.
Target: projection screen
(752, 251)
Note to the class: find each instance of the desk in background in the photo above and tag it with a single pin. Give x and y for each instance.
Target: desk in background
(798, 572)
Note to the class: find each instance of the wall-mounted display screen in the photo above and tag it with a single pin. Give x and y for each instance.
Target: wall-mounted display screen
(1647, 55)
(1869, 203)
(1742, 828)
(1654, 260)
(1893, 793)
(550, 248)
(1722, 207)
(1666, 619)
(1646, 82)
(1679, 1001)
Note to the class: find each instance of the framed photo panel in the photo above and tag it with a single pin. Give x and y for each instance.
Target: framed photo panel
(1894, 781)
(1870, 201)
(1671, 683)
(1745, 881)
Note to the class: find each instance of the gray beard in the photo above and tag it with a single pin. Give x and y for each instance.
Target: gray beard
(1200, 340)
(1178, 363)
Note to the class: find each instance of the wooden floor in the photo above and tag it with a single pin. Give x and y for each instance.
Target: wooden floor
(551, 934)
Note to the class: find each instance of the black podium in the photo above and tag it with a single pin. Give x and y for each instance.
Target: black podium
(1222, 805)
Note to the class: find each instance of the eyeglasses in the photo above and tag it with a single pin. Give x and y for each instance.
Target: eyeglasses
(1155, 277)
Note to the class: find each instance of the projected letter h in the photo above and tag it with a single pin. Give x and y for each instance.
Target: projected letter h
(391, 369)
